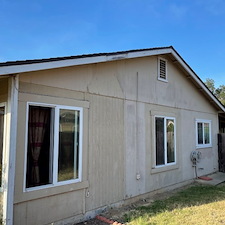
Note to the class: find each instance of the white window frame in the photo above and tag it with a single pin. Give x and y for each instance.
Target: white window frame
(55, 136)
(165, 141)
(159, 78)
(3, 149)
(210, 133)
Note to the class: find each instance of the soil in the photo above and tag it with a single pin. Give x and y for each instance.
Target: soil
(93, 222)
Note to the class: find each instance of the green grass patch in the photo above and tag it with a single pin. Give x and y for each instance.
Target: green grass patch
(196, 205)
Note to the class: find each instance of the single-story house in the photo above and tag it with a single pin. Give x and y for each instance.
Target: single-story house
(80, 133)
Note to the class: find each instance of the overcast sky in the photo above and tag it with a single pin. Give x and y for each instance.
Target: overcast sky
(53, 28)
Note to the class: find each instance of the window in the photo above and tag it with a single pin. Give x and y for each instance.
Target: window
(203, 133)
(2, 113)
(162, 69)
(54, 145)
(165, 140)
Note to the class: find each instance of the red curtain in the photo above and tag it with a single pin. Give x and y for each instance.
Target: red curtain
(38, 119)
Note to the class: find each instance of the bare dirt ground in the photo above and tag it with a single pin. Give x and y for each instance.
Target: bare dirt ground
(118, 214)
(93, 222)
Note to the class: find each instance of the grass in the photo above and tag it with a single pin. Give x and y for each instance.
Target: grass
(66, 174)
(196, 205)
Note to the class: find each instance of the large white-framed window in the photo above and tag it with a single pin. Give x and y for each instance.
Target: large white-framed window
(162, 69)
(165, 141)
(2, 137)
(54, 145)
(203, 133)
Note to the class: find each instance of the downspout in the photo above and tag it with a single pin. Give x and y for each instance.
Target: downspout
(10, 150)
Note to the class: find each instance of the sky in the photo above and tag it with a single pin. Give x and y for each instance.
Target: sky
(37, 29)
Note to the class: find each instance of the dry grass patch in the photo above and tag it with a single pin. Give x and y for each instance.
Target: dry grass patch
(196, 205)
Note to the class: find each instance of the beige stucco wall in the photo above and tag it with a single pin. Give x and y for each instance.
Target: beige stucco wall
(120, 99)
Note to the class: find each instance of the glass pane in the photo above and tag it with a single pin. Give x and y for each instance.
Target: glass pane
(1, 140)
(200, 133)
(159, 126)
(206, 133)
(170, 140)
(68, 161)
(39, 159)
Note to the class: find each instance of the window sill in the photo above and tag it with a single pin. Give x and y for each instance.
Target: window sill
(165, 168)
(203, 146)
(160, 79)
(49, 190)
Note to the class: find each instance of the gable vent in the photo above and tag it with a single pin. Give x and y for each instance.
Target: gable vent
(162, 69)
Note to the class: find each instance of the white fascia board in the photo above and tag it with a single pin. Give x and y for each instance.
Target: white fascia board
(5, 70)
(49, 65)
(138, 54)
(149, 53)
(197, 80)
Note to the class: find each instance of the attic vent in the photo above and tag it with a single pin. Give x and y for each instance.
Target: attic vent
(162, 73)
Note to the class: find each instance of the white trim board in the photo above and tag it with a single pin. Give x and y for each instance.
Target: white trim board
(10, 150)
(4, 70)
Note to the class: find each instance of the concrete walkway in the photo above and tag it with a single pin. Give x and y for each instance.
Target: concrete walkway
(217, 178)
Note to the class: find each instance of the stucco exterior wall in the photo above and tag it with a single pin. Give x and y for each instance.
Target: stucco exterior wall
(120, 99)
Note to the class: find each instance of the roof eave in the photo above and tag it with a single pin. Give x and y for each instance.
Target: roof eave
(197, 80)
(5, 70)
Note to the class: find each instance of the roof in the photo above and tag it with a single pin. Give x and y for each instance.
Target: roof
(16, 67)
(22, 62)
